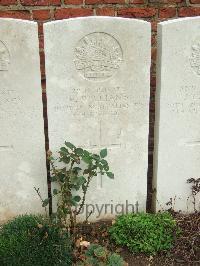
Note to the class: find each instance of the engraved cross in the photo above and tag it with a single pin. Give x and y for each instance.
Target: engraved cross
(101, 145)
(192, 143)
(4, 148)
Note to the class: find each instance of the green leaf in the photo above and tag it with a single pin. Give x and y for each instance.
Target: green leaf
(105, 164)
(76, 198)
(65, 159)
(60, 177)
(51, 158)
(45, 202)
(79, 151)
(70, 145)
(103, 153)
(106, 167)
(66, 211)
(101, 167)
(55, 191)
(86, 159)
(63, 149)
(81, 180)
(110, 174)
(96, 157)
(93, 166)
(77, 169)
(86, 153)
(53, 178)
(78, 181)
(104, 161)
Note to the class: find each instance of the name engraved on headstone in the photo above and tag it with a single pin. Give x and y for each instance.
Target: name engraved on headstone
(195, 56)
(13, 99)
(187, 100)
(97, 56)
(9, 96)
(99, 101)
(4, 57)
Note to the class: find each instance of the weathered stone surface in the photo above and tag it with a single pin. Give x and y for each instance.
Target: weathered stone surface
(22, 151)
(97, 73)
(177, 148)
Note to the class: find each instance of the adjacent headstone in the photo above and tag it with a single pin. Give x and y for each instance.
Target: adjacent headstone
(177, 129)
(97, 71)
(22, 150)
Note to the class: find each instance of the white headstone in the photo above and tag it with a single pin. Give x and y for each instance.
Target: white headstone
(97, 71)
(22, 144)
(177, 129)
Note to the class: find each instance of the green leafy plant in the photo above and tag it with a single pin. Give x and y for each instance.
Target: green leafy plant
(115, 260)
(145, 232)
(73, 172)
(97, 255)
(33, 240)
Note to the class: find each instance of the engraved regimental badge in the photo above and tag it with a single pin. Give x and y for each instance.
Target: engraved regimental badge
(4, 57)
(195, 57)
(97, 56)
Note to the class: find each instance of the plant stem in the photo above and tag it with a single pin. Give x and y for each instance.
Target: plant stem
(84, 195)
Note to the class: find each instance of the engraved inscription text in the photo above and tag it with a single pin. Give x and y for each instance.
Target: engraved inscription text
(195, 57)
(4, 57)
